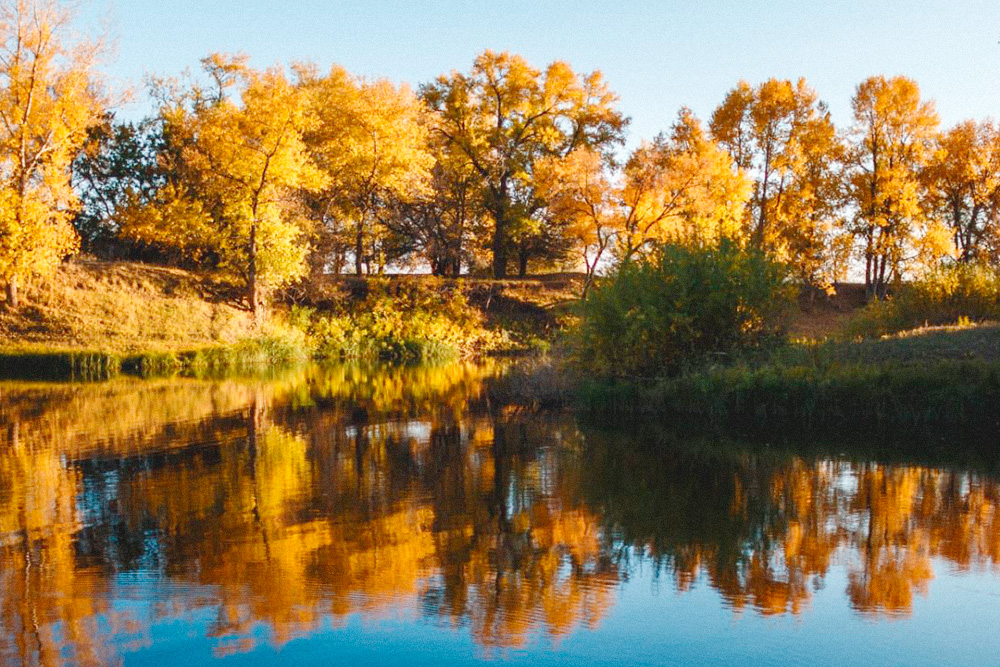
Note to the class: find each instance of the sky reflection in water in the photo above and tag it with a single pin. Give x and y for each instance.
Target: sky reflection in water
(342, 513)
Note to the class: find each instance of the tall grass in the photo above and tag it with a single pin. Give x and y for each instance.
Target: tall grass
(75, 366)
(90, 366)
(898, 394)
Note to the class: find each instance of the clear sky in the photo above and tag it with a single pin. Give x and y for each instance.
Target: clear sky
(657, 56)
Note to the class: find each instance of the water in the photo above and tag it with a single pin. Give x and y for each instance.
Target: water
(343, 515)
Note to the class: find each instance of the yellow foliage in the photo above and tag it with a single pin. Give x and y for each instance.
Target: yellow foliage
(49, 98)
(503, 118)
(963, 183)
(893, 130)
(369, 139)
(243, 165)
(681, 189)
(781, 136)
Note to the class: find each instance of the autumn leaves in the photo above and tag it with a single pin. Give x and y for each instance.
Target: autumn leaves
(269, 174)
(49, 96)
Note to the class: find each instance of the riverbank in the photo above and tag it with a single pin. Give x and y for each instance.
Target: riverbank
(94, 320)
(97, 320)
(91, 365)
(934, 377)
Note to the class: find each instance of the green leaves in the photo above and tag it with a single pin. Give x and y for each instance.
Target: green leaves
(680, 307)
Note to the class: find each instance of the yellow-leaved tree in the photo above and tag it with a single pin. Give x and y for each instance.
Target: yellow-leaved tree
(681, 188)
(581, 194)
(781, 136)
(370, 141)
(503, 117)
(892, 138)
(241, 166)
(49, 97)
(963, 187)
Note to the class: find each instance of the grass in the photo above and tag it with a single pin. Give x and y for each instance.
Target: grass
(93, 320)
(92, 365)
(931, 377)
(125, 308)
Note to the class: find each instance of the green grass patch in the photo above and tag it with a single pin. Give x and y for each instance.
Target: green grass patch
(904, 394)
(92, 366)
(940, 377)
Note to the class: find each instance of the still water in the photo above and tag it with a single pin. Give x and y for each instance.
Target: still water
(344, 515)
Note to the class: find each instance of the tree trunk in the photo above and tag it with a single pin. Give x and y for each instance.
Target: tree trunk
(253, 292)
(500, 251)
(522, 263)
(12, 299)
(359, 250)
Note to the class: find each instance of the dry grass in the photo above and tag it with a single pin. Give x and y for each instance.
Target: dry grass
(123, 307)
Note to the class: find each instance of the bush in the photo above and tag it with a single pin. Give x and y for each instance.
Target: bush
(681, 307)
(402, 321)
(949, 295)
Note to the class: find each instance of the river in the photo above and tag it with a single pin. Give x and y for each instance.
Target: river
(326, 515)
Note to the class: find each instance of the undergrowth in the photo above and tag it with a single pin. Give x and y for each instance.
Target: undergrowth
(401, 321)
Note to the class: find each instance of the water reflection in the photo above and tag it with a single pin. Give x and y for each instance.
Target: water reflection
(766, 530)
(305, 499)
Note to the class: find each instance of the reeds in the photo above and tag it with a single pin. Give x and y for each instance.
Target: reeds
(91, 366)
(893, 394)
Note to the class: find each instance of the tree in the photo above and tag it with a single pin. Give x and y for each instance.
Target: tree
(504, 115)
(680, 188)
(963, 186)
(241, 163)
(578, 190)
(49, 97)
(117, 169)
(892, 133)
(781, 136)
(370, 140)
(442, 221)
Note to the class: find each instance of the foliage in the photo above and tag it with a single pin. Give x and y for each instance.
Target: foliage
(241, 165)
(370, 141)
(402, 321)
(948, 295)
(682, 188)
(115, 172)
(892, 132)
(781, 135)
(962, 180)
(444, 223)
(502, 117)
(49, 97)
(579, 193)
(681, 306)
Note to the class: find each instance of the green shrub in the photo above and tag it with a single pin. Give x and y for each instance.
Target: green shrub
(402, 321)
(948, 295)
(681, 307)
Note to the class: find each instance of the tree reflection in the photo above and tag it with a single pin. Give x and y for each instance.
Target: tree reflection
(331, 492)
(764, 530)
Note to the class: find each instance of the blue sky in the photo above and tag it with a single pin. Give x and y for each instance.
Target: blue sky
(656, 55)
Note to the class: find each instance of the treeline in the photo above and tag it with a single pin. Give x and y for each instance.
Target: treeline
(271, 174)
